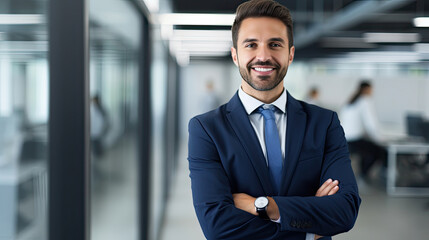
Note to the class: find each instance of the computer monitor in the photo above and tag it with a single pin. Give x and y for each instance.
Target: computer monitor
(425, 130)
(414, 125)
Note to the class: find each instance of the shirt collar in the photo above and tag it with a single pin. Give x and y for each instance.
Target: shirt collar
(250, 103)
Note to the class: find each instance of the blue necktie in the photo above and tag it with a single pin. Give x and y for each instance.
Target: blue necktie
(272, 144)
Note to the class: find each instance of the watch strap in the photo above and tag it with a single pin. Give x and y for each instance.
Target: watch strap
(262, 212)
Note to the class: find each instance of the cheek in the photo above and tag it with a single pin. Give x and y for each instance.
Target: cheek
(244, 58)
(285, 59)
(281, 58)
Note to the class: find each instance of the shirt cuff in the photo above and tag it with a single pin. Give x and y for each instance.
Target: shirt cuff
(310, 236)
(276, 221)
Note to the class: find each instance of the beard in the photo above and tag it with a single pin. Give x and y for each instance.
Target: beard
(263, 83)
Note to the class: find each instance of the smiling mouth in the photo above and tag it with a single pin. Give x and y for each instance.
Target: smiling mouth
(263, 70)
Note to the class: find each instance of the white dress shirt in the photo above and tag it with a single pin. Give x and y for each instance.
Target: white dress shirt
(257, 120)
(360, 121)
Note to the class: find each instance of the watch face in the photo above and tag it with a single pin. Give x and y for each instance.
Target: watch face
(261, 202)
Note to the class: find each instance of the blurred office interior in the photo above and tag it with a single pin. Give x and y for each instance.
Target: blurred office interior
(95, 97)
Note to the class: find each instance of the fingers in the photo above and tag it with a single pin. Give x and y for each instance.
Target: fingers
(329, 187)
(334, 190)
(323, 187)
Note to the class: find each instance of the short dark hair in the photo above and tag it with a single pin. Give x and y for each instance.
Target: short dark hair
(262, 8)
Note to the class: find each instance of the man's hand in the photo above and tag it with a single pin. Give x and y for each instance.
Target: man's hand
(328, 188)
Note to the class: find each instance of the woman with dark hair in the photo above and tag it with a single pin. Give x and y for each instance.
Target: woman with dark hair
(361, 129)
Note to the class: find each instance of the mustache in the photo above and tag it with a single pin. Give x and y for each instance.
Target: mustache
(260, 63)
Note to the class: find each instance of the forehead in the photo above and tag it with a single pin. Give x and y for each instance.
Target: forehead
(262, 27)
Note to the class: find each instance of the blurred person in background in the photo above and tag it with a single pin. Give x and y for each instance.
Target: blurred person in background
(265, 165)
(210, 100)
(313, 96)
(362, 130)
(99, 125)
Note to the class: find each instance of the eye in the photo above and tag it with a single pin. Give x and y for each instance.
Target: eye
(250, 45)
(275, 45)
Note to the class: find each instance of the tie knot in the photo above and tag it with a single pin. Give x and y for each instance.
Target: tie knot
(268, 113)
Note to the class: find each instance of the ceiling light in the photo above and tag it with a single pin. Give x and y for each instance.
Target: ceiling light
(392, 37)
(202, 35)
(152, 5)
(167, 31)
(178, 46)
(382, 57)
(22, 18)
(196, 19)
(209, 54)
(183, 58)
(421, 22)
(210, 43)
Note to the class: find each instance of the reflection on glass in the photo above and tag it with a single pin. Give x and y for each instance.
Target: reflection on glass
(23, 119)
(114, 44)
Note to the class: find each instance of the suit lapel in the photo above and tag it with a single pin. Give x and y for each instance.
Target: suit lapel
(295, 130)
(240, 123)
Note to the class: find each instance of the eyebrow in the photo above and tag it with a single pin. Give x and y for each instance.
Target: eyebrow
(277, 40)
(249, 40)
(271, 40)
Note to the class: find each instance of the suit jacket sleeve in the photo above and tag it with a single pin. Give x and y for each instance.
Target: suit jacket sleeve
(212, 196)
(327, 215)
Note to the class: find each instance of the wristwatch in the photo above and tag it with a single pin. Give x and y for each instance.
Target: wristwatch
(261, 204)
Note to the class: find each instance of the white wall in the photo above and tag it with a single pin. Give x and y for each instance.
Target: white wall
(398, 89)
(193, 78)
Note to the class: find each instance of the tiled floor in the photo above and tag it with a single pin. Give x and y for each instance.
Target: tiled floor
(181, 222)
(380, 216)
(114, 208)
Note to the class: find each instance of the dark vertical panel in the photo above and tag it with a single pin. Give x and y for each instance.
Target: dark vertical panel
(177, 123)
(144, 131)
(171, 122)
(69, 120)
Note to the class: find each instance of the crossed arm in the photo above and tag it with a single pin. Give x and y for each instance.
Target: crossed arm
(245, 202)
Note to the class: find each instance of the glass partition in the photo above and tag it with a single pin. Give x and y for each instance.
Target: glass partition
(115, 38)
(23, 119)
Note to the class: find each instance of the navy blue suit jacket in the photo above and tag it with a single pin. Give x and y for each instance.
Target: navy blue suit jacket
(225, 157)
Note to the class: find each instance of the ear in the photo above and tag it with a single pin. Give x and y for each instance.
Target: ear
(291, 54)
(234, 56)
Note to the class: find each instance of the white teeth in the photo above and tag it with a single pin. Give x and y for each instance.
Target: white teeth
(263, 69)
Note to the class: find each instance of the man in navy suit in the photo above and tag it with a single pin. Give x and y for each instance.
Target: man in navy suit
(247, 184)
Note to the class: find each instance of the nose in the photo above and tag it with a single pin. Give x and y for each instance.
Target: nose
(263, 54)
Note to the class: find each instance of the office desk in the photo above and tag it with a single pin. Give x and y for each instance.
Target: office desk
(23, 199)
(403, 148)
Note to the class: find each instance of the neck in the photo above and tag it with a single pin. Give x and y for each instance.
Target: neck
(263, 96)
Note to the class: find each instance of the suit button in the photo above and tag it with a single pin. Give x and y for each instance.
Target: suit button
(293, 223)
(307, 225)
